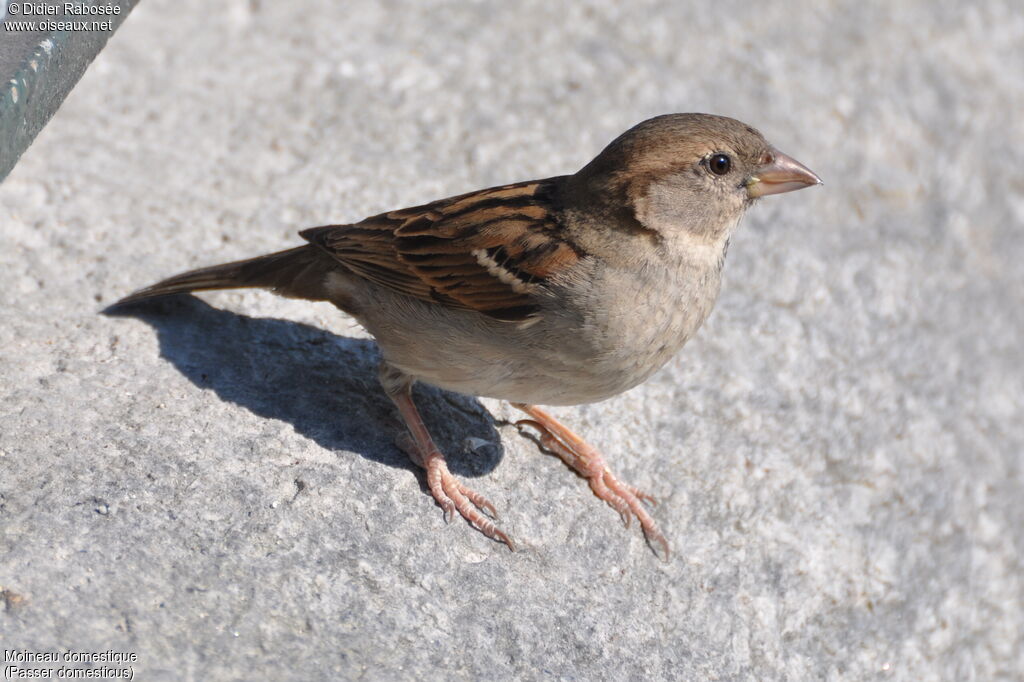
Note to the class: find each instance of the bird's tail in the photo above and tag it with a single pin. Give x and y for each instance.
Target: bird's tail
(298, 273)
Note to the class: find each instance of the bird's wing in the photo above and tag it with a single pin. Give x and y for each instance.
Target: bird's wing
(490, 251)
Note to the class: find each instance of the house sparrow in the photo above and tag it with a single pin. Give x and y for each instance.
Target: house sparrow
(561, 291)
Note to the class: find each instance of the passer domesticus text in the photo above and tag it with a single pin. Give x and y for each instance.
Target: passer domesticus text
(559, 291)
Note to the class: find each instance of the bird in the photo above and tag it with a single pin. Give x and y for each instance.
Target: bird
(560, 291)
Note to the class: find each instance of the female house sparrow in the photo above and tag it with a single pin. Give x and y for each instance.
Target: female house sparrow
(559, 291)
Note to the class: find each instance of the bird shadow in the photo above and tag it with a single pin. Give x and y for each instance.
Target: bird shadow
(323, 384)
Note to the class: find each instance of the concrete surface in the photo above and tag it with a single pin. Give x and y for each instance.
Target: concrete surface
(212, 485)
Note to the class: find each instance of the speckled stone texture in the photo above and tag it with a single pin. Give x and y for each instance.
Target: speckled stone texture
(212, 483)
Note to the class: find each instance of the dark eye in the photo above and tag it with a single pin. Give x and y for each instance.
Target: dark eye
(720, 164)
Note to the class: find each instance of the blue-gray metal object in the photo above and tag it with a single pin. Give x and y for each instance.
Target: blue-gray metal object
(44, 50)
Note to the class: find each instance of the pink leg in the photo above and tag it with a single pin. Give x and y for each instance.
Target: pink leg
(447, 490)
(589, 463)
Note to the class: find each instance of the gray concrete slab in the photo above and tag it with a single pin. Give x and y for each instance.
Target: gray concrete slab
(212, 484)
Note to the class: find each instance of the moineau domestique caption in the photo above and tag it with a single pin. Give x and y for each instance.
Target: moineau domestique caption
(108, 656)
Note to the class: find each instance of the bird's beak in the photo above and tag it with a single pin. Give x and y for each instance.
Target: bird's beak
(781, 174)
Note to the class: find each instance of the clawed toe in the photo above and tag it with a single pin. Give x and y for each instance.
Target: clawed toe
(448, 491)
(470, 505)
(454, 496)
(600, 488)
(641, 495)
(627, 500)
(479, 500)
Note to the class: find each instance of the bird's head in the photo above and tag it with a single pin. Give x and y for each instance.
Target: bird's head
(692, 175)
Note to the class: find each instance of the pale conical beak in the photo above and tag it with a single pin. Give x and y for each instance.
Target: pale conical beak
(781, 174)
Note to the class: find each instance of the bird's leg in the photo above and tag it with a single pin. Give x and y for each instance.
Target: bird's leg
(447, 490)
(589, 463)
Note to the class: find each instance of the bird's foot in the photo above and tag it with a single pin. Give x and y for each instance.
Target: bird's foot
(589, 463)
(452, 495)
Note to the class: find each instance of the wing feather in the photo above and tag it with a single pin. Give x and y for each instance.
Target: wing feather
(490, 251)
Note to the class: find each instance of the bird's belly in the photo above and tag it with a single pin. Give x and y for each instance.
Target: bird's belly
(540, 377)
(550, 362)
(493, 366)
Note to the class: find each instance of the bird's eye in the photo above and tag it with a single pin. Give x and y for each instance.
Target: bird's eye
(720, 164)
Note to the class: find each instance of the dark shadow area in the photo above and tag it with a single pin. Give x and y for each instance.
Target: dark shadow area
(323, 384)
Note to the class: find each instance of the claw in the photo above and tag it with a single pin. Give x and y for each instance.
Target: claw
(657, 541)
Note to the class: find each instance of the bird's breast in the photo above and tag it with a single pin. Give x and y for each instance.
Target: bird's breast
(628, 326)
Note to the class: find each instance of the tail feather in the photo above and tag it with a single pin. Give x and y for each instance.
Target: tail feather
(298, 273)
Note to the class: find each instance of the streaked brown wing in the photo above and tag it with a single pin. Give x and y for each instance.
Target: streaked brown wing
(488, 251)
